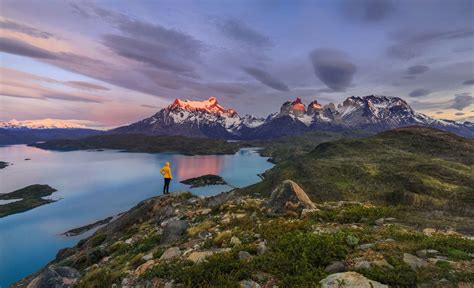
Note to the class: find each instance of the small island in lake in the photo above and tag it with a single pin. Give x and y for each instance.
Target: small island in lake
(205, 180)
(85, 228)
(3, 164)
(31, 197)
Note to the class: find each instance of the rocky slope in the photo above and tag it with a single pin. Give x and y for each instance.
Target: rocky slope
(285, 240)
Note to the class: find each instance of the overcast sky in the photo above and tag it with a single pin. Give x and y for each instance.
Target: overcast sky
(106, 63)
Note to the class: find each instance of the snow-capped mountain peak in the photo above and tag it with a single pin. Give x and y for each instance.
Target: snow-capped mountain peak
(194, 118)
(41, 124)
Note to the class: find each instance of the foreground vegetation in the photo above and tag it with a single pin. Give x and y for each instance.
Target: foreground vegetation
(239, 242)
(145, 143)
(31, 197)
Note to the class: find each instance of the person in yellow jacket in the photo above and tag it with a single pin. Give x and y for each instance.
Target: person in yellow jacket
(166, 172)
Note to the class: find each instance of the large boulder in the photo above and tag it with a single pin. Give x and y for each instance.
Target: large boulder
(349, 279)
(173, 230)
(59, 277)
(288, 196)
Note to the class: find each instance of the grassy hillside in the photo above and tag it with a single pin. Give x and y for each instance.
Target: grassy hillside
(415, 166)
(287, 147)
(144, 143)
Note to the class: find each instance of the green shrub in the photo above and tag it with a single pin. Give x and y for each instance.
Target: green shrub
(145, 244)
(299, 259)
(219, 270)
(98, 278)
(458, 254)
(98, 239)
(400, 276)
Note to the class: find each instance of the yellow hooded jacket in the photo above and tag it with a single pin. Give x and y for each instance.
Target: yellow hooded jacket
(166, 171)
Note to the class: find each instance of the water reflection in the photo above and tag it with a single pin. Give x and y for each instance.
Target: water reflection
(192, 166)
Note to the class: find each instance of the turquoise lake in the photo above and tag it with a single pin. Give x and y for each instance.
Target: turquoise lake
(93, 185)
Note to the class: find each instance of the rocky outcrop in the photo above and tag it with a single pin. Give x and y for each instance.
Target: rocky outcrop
(173, 230)
(59, 277)
(349, 279)
(288, 196)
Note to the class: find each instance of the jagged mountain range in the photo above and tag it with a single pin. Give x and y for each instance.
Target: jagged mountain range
(208, 118)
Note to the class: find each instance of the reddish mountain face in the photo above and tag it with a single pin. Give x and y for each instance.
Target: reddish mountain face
(210, 105)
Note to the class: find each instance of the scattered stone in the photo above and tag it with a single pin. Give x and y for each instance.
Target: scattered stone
(413, 261)
(426, 253)
(382, 263)
(244, 255)
(204, 211)
(145, 266)
(148, 257)
(249, 284)
(169, 284)
(261, 248)
(289, 196)
(443, 258)
(234, 241)
(366, 247)
(379, 222)
(173, 231)
(361, 263)
(204, 234)
(335, 267)
(199, 256)
(170, 253)
(349, 279)
(390, 220)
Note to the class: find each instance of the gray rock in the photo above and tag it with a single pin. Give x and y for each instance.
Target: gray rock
(170, 253)
(234, 241)
(390, 220)
(426, 253)
(204, 234)
(289, 196)
(147, 257)
(361, 263)
(366, 246)
(335, 267)
(413, 261)
(261, 248)
(349, 279)
(249, 284)
(379, 222)
(244, 255)
(173, 230)
(59, 277)
(164, 213)
(67, 272)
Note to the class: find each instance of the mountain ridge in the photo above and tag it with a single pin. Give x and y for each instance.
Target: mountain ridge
(372, 113)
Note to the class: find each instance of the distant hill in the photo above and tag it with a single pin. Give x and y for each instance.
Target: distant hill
(28, 136)
(144, 143)
(415, 166)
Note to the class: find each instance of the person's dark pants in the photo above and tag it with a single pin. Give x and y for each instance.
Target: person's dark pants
(166, 188)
